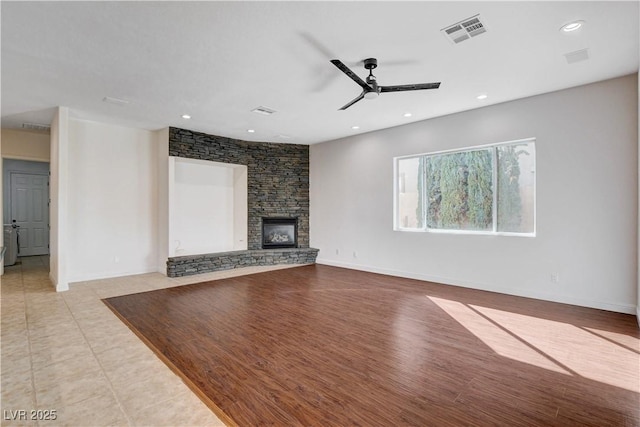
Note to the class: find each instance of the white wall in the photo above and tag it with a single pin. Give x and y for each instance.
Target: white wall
(59, 194)
(164, 165)
(587, 199)
(202, 205)
(112, 215)
(26, 145)
(240, 207)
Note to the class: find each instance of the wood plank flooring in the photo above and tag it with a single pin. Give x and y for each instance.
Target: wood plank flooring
(325, 346)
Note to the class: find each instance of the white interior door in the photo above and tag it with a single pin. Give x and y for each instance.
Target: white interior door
(30, 211)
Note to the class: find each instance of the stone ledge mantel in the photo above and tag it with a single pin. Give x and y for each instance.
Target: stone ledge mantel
(206, 263)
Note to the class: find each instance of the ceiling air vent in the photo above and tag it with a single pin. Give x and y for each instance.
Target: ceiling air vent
(577, 56)
(263, 110)
(465, 29)
(36, 126)
(115, 101)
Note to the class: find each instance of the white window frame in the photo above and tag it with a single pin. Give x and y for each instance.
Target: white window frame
(493, 232)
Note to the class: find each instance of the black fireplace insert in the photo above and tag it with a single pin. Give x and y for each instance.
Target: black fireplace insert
(279, 232)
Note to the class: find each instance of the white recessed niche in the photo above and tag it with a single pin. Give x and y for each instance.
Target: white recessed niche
(207, 207)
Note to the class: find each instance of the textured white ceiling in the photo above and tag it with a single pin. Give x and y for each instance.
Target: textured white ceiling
(218, 60)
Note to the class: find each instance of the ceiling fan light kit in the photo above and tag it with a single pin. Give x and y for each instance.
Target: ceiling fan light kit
(370, 87)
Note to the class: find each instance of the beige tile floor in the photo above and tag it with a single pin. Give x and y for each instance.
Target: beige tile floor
(67, 352)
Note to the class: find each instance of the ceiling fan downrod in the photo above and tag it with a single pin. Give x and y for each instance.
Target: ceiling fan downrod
(370, 64)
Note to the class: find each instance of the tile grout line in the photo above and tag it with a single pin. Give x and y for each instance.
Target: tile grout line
(26, 323)
(111, 386)
(188, 391)
(113, 392)
(31, 279)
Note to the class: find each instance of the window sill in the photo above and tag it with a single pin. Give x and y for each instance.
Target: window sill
(467, 232)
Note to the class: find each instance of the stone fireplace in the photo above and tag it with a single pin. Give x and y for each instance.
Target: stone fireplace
(279, 232)
(277, 190)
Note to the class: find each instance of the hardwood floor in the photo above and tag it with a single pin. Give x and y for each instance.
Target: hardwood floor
(325, 346)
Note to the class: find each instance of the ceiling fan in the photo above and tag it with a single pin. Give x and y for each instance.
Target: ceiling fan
(370, 88)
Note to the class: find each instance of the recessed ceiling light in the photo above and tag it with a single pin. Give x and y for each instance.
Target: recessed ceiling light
(571, 26)
(355, 127)
(407, 115)
(251, 130)
(186, 116)
(482, 96)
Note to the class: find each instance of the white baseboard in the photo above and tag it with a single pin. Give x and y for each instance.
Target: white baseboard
(59, 286)
(601, 305)
(111, 275)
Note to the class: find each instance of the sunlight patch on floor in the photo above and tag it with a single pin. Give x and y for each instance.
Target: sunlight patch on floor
(550, 344)
(581, 351)
(499, 340)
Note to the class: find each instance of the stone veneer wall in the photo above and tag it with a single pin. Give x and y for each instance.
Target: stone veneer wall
(277, 176)
(196, 264)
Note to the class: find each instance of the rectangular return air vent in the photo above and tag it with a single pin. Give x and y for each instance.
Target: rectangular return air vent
(265, 111)
(577, 56)
(465, 29)
(36, 126)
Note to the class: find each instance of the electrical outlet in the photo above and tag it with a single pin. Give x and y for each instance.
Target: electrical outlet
(555, 277)
(337, 251)
(355, 254)
(116, 259)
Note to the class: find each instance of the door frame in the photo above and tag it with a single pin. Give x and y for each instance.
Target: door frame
(8, 197)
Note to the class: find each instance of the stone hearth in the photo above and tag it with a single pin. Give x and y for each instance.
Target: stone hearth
(197, 264)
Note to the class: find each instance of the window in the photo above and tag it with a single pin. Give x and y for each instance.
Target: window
(409, 188)
(490, 189)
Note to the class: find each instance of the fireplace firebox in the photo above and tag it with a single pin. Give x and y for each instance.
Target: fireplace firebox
(279, 232)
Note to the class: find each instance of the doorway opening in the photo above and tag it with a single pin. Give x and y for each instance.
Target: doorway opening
(26, 208)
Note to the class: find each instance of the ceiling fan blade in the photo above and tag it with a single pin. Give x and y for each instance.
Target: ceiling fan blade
(351, 74)
(354, 101)
(402, 88)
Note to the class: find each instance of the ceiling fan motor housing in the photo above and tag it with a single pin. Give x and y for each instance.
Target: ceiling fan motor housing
(370, 63)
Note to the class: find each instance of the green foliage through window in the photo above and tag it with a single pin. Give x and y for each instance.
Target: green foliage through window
(489, 189)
